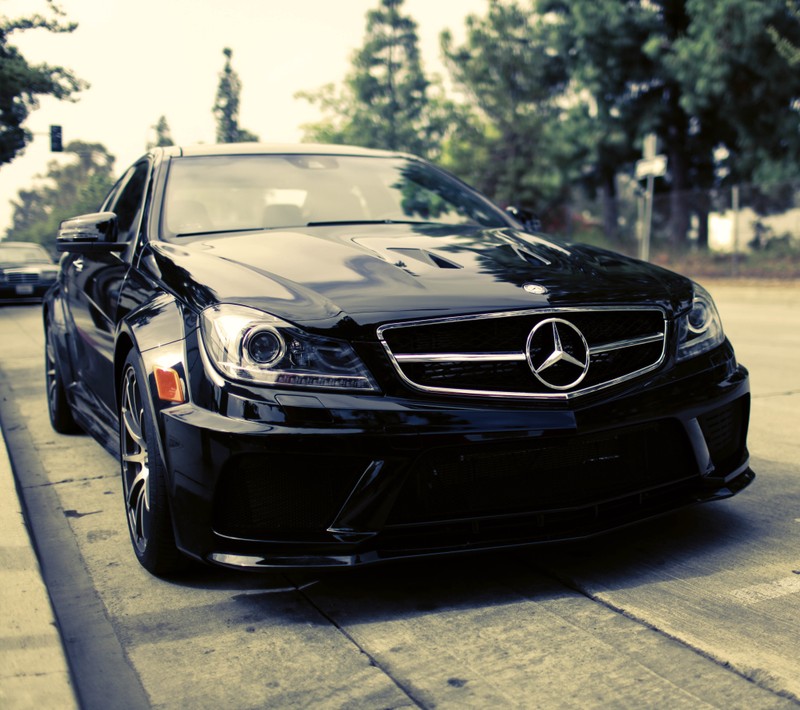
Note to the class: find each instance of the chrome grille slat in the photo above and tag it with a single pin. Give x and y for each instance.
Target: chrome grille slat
(629, 343)
(22, 278)
(623, 343)
(461, 357)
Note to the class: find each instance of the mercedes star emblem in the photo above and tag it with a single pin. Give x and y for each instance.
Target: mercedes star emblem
(557, 354)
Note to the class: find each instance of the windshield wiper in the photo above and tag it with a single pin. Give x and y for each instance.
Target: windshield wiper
(218, 231)
(333, 223)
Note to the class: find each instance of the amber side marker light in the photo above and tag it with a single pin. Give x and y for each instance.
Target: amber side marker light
(168, 384)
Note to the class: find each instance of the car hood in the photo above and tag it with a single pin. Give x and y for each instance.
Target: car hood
(34, 266)
(376, 273)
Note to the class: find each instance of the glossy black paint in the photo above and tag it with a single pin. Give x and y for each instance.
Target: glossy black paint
(356, 271)
(89, 234)
(344, 281)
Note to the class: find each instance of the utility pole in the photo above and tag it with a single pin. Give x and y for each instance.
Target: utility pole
(735, 209)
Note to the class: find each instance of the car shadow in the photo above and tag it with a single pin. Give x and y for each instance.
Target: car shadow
(401, 589)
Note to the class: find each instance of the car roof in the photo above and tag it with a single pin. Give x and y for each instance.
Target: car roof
(275, 149)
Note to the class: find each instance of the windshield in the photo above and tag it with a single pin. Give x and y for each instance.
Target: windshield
(243, 192)
(23, 254)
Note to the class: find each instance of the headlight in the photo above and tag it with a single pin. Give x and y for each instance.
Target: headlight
(252, 346)
(700, 329)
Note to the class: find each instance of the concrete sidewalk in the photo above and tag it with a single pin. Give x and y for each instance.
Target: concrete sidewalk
(33, 667)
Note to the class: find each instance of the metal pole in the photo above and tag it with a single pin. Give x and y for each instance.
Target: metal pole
(648, 219)
(735, 208)
(640, 220)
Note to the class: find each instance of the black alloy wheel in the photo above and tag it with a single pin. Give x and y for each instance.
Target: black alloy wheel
(143, 477)
(58, 407)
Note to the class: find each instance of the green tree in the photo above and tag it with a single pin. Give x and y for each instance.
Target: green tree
(514, 77)
(625, 91)
(386, 100)
(226, 105)
(163, 134)
(66, 190)
(702, 76)
(22, 83)
(608, 71)
(732, 75)
(788, 49)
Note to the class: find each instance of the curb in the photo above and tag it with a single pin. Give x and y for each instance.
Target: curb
(33, 666)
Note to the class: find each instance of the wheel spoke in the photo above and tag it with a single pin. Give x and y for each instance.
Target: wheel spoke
(132, 426)
(138, 457)
(131, 395)
(134, 458)
(137, 490)
(50, 372)
(139, 513)
(131, 411)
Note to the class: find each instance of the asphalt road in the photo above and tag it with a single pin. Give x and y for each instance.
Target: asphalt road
(698, 609)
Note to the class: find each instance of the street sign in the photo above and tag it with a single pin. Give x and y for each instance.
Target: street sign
(655, 167)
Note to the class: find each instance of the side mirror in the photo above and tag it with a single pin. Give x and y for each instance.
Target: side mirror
(527, 218)
(94, 233)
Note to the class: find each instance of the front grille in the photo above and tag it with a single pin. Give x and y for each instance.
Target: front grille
(556, 473)
(496, 354)
(22, 278)
(264, 496)
(725, 432)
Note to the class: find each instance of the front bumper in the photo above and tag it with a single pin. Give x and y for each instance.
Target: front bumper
(339, 480)
(23, 290)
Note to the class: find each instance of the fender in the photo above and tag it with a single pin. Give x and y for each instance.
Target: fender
(157, 331)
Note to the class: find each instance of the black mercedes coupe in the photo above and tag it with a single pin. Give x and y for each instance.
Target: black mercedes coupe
(321, 356)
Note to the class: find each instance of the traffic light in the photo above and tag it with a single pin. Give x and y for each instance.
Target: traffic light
(55, 139)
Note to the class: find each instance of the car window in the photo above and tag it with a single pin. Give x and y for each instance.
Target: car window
(23, 254)
(129, 203)
(227, 193)
(112, 194)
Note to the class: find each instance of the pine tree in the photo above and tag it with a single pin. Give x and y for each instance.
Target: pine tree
(512, 77)
(163, 134)
(226, 105)
(387, 101)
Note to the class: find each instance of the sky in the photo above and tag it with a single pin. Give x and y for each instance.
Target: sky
(148, 58)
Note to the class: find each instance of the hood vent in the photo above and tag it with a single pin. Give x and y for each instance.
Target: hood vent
(426, 257)
(531, 258)
(509, 253)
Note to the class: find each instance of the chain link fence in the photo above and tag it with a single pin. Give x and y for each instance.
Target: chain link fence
(739, 231)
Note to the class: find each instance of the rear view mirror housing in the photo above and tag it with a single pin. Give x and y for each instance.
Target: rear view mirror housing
(90, 233)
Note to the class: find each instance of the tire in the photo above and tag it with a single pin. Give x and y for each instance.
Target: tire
(58, 408)
(144, 485)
